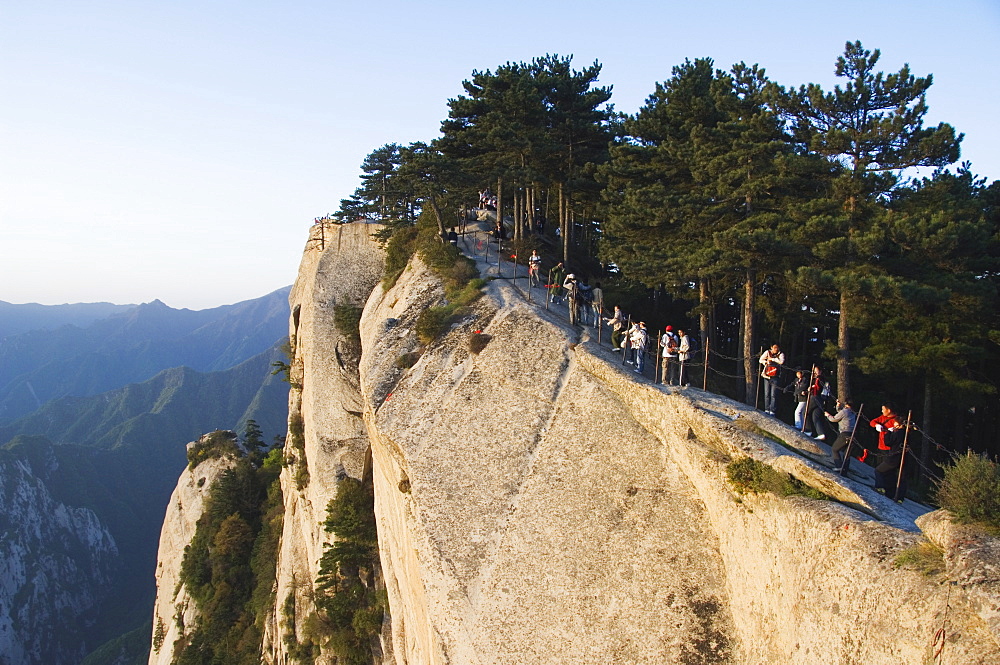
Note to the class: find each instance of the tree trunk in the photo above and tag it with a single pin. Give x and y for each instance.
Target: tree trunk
(437, 216)
(517, 212)
(843, 352)
(749, 307)
(563, 225)
(704, 327)
(927, 446)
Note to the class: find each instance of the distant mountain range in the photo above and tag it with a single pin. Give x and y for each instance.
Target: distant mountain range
(15, 319)
(128, 346)
(87, 476)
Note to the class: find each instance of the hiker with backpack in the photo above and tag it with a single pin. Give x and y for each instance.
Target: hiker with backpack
(585, 296)
(670, 344)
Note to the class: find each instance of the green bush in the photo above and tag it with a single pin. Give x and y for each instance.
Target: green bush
(431, 323)
(924, 557)
(347, 318)
(970, 489)
(220, 443)
(398, 250)
(750, 475)
(349, 611)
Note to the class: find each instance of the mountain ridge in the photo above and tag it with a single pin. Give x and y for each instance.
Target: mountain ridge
(132, 346)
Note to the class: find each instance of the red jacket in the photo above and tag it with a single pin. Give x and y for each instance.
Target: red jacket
(885, 422)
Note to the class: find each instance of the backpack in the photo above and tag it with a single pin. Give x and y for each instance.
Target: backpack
(693, 345)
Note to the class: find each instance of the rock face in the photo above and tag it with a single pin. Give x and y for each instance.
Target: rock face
(537, 503)
(174, 611)
(327, 440)
(65, 585)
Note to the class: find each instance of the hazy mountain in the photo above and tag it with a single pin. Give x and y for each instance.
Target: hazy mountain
(118, 455)
(132, 346)
(15, 319)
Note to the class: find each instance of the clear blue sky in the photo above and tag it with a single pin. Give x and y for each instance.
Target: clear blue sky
(180, 150)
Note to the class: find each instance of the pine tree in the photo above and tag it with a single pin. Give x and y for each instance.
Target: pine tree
(873, 127)
(751, 176)
(659, 228)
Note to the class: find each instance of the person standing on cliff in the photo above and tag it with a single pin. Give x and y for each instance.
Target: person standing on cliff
(887, 472)
(671, 345)
(801, 391)
(819, 391)
(683, 354)
(555, 282)
(640, 340)
(598, 297)
(881, 424)
(772, 360)
(845, 419)
(617, 323)
(534, 266)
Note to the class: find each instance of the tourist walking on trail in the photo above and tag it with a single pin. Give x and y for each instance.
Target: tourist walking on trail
(617, 325)
(640, 341)
(846, 419)
(585, 296)
(556, 276)
(819, 391)
(534, 267)
(571, 297)
(670, 345)
(772, 360)
(801, 393)
(683, 355)
(628, 343)
(598, 304)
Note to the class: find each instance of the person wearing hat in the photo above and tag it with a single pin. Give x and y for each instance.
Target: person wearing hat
(669, 343)
(571, 287)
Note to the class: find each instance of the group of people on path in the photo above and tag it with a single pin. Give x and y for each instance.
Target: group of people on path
(812, 395)
(810, 389)
(583, 301)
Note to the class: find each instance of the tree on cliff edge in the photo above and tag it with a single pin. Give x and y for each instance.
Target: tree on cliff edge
(873, 126)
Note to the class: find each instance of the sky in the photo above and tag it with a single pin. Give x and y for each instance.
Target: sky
(180, 150)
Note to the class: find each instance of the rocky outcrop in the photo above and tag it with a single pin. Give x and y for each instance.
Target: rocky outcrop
(327, 440)
(175, 614)
(538, 504)
(55, 563)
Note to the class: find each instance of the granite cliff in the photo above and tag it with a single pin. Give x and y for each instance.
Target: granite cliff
(537, 504)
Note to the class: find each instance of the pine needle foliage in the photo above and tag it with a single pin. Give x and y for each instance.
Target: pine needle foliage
(349, 612)
(970, 489)
(229, 566)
